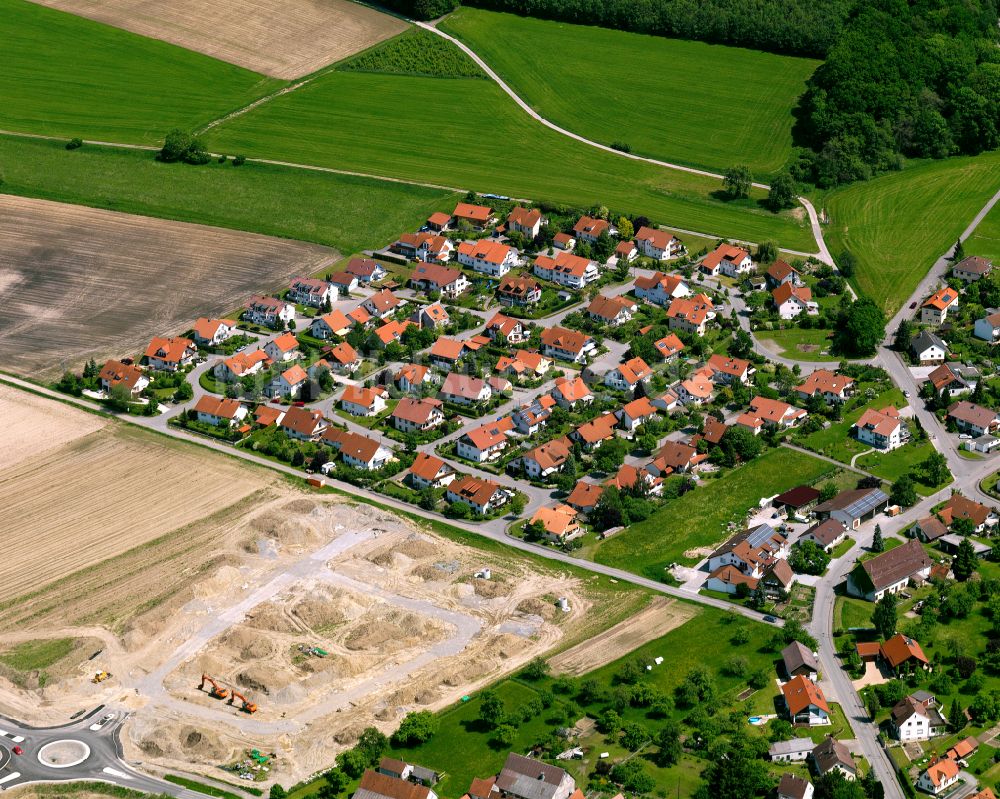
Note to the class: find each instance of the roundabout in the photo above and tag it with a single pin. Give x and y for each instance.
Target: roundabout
(64, 753)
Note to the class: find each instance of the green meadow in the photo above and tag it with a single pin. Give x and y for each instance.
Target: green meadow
(899, 224)
(68, 76)
(703, 105)
(465, 132)
(985, 240)
(343, 211)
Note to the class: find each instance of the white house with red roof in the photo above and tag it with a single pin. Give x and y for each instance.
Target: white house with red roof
(430, 471)
(331, 324)
(311, 291)
(660, 288)
(507, 329)
(212, 332)
(219, 410)
(488, 257)
(282, 349)
(478, 216)
(268, 311)
(612, 311)
(691, 314)
(658, 244)
(361, 401)
(629, 375)
(589, 229)
(304, 424)
(482, 496)
(939, 776)
(936, 308)
(170, 354)
(486, 442)
(462, 389)
(240, 365)
(289, 383)
(792, 300)
(727, 260)
(115, 373)
(881, 429)
(567, 270)
(526, 221)
(566, 344)
(727, 370)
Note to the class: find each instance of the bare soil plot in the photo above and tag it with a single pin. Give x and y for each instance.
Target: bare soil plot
(103, 494)
(281, 38)
(33, 425)
(658, 618)
(79, 283)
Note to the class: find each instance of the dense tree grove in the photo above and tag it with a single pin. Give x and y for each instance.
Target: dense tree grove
(917, 79)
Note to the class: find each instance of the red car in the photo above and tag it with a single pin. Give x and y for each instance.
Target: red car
(17, 750)
(299, 404)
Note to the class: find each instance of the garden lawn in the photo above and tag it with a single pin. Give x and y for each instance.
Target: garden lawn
(835, 441)
(851, 612)
(466, 133)
(346, 212)
(699, 518)
(68, 76)
(671, 99)
(899, 224)
(985, 240)
(799, 344)
(893, 465)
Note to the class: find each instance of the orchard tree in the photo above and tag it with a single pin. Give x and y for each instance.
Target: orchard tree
(782, 193)
(738, 181)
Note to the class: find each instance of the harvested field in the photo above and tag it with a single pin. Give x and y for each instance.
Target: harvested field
(25, 416)
(103, 494)
(281, 38)
(658, 618)
(82, 283)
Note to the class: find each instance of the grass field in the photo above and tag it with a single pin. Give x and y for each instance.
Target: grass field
(699, 104)
(346, 212)
(39, 654)
(985, 241)
(68, 76)
(699, 518)
(467, 133)
(802, 345)
(899, 224)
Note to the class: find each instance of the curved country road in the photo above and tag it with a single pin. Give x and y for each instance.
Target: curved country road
(824, 252)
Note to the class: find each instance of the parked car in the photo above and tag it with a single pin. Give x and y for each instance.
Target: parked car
(770, 619)
(17, 750)
(913, 305)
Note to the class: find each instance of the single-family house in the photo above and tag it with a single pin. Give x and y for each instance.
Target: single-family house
(358, 451)
(940, 775)
(928, 348)
(310, 291)
(634, 413)
(115, 373)
(343, 283)
(595, 432)
(381, 303)
(523, 364)
(988, 328)
(791, 786)
(361, 401)
(429, 471)
(569, 392)
(958, 507)
(589, 229)
(418, 775)
(170, 354)
(393, 330)
(626, 252)
(658, 244)
(890, 572)
(935, 309)
(584, 496)
(547, 458)
(486, 442)
(566, 345)
(519, 291)
(629, 375)
(446, 352)
(660, 288)
(751, 551)
(826, 534)
(432, 317)
(972, 268)
(526, 778)
(423, 247)
(439, 221)
(831, 386)
(566, 269)
(481, 495)
(697, 389)
(882, 429)
(781, 272)
(411, 377)
(267, 415)
(791, 300)
(212, 332)
(417, 415)
(954, 378)
(366, 270)
(564, 241)
(304, 424)
(917, 718)
(289, 383)
(726, 370)
(444, 280)
(283, 349)
(832, 755)
(805, 702)
(558, 522)
(330, 324)
(460, 389)
(532, 416)
(477, 216)
(690, 314)
(794, 750)
(219, 410)
(799, 661)
(973, 419)
(727, 259)
(506, 329)
(612, 311)
(268, 311)
(669, 346)
(526, 221)
(240, 365)
(488, 256)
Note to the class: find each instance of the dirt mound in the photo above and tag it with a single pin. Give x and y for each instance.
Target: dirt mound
(290, 531)
(254, 679)
(430, 572)
(395, 626)
(490, 589)
(329, 609)
(248, 644)
(183, 741)
(533, 606)
(417, 548)
(300, 506)
(268, 616)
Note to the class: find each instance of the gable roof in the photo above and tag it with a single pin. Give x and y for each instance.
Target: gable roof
(584, 495)
(447, 349)
(786, 291)
(801, 693)
(608, 308)
(427, 466)
(796, 655)
(959, 507)
(374, 785)
(417, 411)
(168, 350)
(901, 648)
(206, 328)
(474, 489)
(857, 502)
(941, 771)
(779, 270)
(941, 299)
(893, 566)
(924, 340)
(725, 252)
(221, 407)
(669, 346)
(692, 309)
(882, 422)
(477, 213)
(824, 381)
(528, 778)
(303, 421)
(974, 264)
(973, 414)
(565, 339)
(525, 217)
(831, 753)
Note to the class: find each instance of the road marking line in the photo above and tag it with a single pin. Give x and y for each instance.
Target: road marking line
(116, 773)
(12, 776)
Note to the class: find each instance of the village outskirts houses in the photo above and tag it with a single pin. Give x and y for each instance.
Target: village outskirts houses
(928, 348)
(566, 345)
(566, 269)
(936, 308)
(939, 776)
(478, 217)
(987, 328)
(525, 778)
(611, 311)
(890, 572)
(973, 419)
(727, 370)
(526, 221)
(217, 411)
(660, 288)
(831, 386)
(792, 786)
(805, 702)
(559, 523)
(916, 717)
(791, 301)
(289, 383)
(170, 354)
(728, 260)
(282, 349)
(589, 229)
(303, 424)
(519, 291)
(658, 244)
(488, 257)
(486, 442)
(360, 401)
(691, 314)
(240, 365)
(628, 376)
(481, 495)
(882, 429)
(343, 284)
(972, 268)
(366, 270)
(444, 280)
(331, 324)
(417, 415)
(781, 272)
(212, 332)
(268, 312)
(310, 291)
(430, 471)
(115, 373)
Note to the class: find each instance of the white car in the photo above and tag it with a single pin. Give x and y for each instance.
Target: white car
(104, 720)
(965, 437)
(906, 394)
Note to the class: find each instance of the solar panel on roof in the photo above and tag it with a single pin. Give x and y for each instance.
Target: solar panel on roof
(866, 504)
(759, 535)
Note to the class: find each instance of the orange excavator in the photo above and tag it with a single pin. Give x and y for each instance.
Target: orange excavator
(217, 690)
(248, 706)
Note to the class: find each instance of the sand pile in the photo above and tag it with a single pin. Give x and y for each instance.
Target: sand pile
(390, 629)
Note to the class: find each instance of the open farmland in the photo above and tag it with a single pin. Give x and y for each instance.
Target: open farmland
(347, 212)
(80, 283)
(985, 241)
(78, 504)
(704, 105)
(680, 531)
(461, 131)
(897, 225)
(68, 76)
(284, 39)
